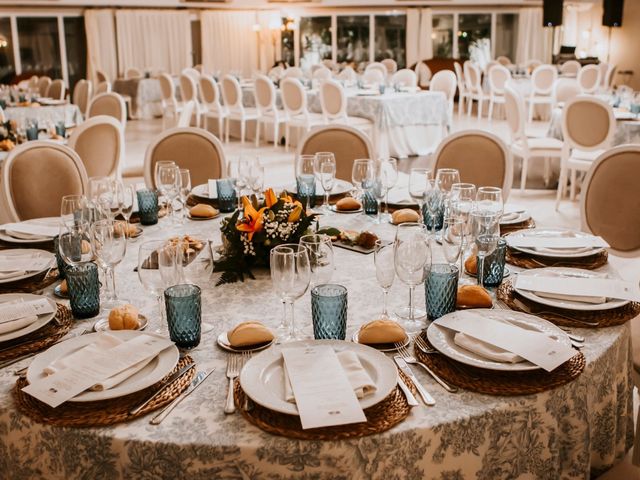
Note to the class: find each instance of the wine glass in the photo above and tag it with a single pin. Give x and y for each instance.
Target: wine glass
(379, 190)
(383, 257)
(418, 183)
(100, 192)
(126, 198)
(489, 199)
(290, 275)
(256, 178)
(445, 179)
(320, 251)
(233, 175)
(390, 167)
(325, 169)
(432, 202)
(305, 178)
(169, 184)
(73, 208)
(452, 238)
(156, 176)
(485, 229)
(156, 270)
(362, 174)
(244, 173)
(463, 196)
(185, 190)
(74, 243)
(109, 246)
(412, 258)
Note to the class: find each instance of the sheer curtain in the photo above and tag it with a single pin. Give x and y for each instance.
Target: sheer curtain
(229, 42)
(425, 45)
(270, 36)
(153, 40)
(534, 41)
(101, 43)
(419, 28)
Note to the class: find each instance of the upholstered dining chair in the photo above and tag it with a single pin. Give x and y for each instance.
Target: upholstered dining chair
(189, 93)
(348, 74)
(43, 85)
(523, 146)
(391, 65)
(99, 142)
(504, 60)
(333, 100)
(610, 205)
(481, 157)
(210, 93)
(35, 177)
(543, 80)
(377, 66)
(321, 74)
(490, 65)
(463, 93)
(445, 81)
(473, 82)
(531, 65)
(170, 106)
(110, 104)
(232, 95)
(192, 148)
(82, 95)
(564, 90)
(373, 77)
(588, 127)
(268, 112)
(103, 87)
(589, 78)
(56, 90)
(293, 72)
(191, 72)
(607, 77)
(498, 76)
(132, 73)
(570, 68)
(33, 84)
(101, 76)
(294, 100)
(424, 74)
(346, 143)
(405, 78)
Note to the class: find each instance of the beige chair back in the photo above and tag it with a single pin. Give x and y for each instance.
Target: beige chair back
(610, 204)
(132, 73)
(571, 67)
(462, 86)
(391, 65)
(333, 101)
(498, 78)
(607, 78)
(346, 143)
(504, 60)
(490, 65)
(322, 73)
(188, 89)
(531, 65)
(294, 98)
(405, 78)
(43, 86)
(195, 149)
(232, 93)
(444, 81)
(515, 111)
(482, 158)
(35, 177)
(543, 79)
(373, 77)
(56, 90)
(293, 72)
(588, 123)
(265, 92)
(103, 87)
(348, 74)
(110, 104)
(377, 66)
(33, 83)
(210, 92)
(589, 78)
(472, 77)
(167, 87)
(101, 76)
(423, 72)
(82, 95)
(199, 68)
(100, 144)
(565, 89)
(193, 73)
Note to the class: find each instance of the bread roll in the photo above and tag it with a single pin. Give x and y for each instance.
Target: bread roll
(473, 296)
(124, 318)
(404, 215)
(64, 289)
(471, 265)
(203, 210)
(348, 204)
(249, 333)
(381, 331)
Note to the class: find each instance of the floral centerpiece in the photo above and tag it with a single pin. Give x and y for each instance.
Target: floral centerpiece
(248, 239)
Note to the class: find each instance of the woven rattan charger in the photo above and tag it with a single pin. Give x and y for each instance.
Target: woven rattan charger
(105, 412)
(526, 260)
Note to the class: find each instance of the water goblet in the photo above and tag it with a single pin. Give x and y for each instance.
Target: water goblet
(383, 257)
(320, 251)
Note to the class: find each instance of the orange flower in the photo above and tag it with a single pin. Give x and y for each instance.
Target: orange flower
(294, 216)
(270, 198)
(286, 197)
(252, 221)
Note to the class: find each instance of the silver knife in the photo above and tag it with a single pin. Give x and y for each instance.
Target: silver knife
(426, 398)
(195, 383)
(411, 399)
(167, 383)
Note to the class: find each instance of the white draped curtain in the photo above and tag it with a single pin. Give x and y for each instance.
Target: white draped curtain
(419, 28)
(534, 40)
(154, 40)
(270, 36)
(101, 43)
(229, 42)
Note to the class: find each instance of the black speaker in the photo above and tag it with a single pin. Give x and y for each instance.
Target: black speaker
(612, 13)
(552, 13)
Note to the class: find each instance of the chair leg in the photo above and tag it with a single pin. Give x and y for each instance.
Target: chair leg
(523, 176)
(226, 128)
(220, 127)
(460, 105)
(469, 106)
(547, 171)
(480, 101)
(530, 112)
(562, 181)
(286, 137)
(276, 131)
(257, 133)
(491, 110)
(243, 125)
(572, 195)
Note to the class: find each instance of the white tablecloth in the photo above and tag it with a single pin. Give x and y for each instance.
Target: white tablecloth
(568, 432)
(145, 93)
(44, 115)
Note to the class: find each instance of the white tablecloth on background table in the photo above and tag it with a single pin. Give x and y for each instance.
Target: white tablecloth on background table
(51, 115)
(582, 427)
(145, 93)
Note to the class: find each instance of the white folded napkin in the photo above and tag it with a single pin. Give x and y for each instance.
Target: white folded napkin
(358, 377)
(11, 274)
(13, 325)
(573, 298)
(103, 342)
(26, 236)
(41, 228)
(485, 350)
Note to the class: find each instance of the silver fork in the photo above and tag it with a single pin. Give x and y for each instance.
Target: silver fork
(422, 345)
(406, 355)
(234, 363)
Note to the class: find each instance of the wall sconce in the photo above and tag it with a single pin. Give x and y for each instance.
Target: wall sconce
(4, 43)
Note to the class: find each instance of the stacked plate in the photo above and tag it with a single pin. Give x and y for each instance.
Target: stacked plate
(577, 252)
(40, 259)
(262, 378)
(514, 214)
(37, 230)
(42, 320)
(340, 187)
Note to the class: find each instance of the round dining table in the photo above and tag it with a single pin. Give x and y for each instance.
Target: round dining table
(571, 432)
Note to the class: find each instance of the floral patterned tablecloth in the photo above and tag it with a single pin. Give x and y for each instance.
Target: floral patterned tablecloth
(582, 427)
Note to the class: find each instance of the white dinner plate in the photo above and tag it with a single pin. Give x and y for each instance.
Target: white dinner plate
(153, 372)
(554, 252)
(16, 237)
(442, 339)
(202, 191)
(340, 187)
(262, 378)
(568, 304)
(42, 319)
(102, 325)
(514, 214)
(223, 342)
(399, 197)
(381, 347)
(28, 251)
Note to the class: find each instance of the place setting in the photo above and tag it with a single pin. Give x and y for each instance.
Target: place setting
(26, 269)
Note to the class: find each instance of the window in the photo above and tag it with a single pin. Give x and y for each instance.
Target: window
(442, 36)
(506, 35)
(390, 35)
(287, 48)
(471, 28)
(39, 46)
(315, 40)
(7, 65)
(196, 42)
(353, 40)
(76, 44)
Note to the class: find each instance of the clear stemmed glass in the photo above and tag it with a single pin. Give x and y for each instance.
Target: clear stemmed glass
(109, 246)
(489, 199)
(185, 190)
(305, 177)
(256, 178)
(320, 251)
(233, 174)
(452, 238)
(157, 269)
(325, 170)
(100, 192)
(432, 201)
(126, 199)
(445, 179)
(418, 183)
(169, 184)
(244, 173)
(156, 176)
(74, 243)
(462, 199)
(383, 257)
(380, 189)
(290, 275)
(362, 173)
(73, 208)
(390, 167)
(485, 229)
(412, 259)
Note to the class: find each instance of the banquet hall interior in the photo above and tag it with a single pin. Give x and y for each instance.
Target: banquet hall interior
(214, 215)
